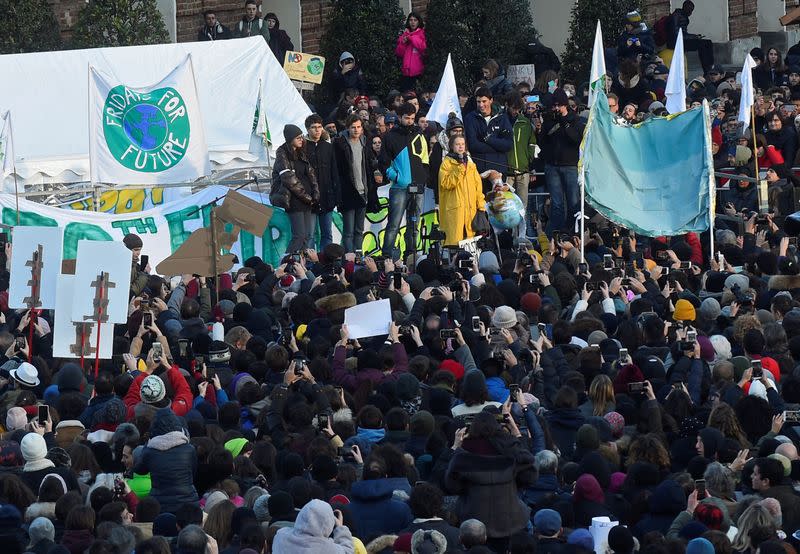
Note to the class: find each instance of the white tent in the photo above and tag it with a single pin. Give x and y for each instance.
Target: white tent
(47, 94)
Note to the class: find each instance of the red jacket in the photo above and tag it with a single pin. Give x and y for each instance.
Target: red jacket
(181, 403)
(697, 249)
(772, 156)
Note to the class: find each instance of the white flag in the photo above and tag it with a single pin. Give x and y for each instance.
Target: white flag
(446, 100)
(6, 146)
(146, 135)
(748, 96)
(676, 85)
(597, 77)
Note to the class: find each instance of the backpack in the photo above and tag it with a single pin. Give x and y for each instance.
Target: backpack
(661, 31)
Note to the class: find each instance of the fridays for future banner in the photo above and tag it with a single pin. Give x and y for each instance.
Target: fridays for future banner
(164, 227)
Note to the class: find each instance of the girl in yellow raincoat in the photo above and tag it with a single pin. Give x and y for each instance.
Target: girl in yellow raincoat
(460, 193)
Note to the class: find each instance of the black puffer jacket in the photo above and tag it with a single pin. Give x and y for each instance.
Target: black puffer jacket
(323, 160)
(487, 485)
(171, 461)
(296, 174)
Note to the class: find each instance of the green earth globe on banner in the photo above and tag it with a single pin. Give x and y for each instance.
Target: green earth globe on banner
(146, 126)
(505, 210)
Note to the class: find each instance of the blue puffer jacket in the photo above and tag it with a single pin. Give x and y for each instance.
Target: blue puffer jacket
(376, 511)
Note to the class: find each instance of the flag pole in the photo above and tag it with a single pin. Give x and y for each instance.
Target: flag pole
(14, 164)
(753, 129)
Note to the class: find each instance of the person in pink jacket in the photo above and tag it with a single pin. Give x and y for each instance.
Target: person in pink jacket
(411, 47)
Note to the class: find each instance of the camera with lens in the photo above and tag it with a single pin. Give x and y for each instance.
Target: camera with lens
(745, 299)
(414, 188)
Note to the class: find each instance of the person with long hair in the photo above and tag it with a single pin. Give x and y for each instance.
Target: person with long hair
(460, 193)
(488, 467)
(771, 73)
(300, 197)
(755, 518)
(724, 419)
(601, 399)
(411, 48)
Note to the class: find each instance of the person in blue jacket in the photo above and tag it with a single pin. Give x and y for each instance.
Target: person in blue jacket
(489, 134)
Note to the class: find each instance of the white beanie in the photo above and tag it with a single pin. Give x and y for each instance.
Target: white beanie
(33, 447)
(40, 529)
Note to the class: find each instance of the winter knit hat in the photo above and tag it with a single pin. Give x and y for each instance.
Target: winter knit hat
(504, 317)
(710, 309)
(34, 451)
(547, 522)
(152, 390)
(684, 311)
(261, 508)
(699, 546)
(41, 529)
(235, 446)
(617, 423)
(16, 418)
(407, 387)
(530, 303)
(132, 241)
(213, 499)
(291, 132)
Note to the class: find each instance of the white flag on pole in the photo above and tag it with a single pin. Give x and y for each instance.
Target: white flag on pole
(6, 146)
(676, 85)
(146, 135)
(748, 96)
(597, 77)
(446, 100)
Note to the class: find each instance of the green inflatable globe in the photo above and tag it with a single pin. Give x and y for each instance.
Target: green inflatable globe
(505, 210)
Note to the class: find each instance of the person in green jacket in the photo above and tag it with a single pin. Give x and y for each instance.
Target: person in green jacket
(250, 25)
(521, 154)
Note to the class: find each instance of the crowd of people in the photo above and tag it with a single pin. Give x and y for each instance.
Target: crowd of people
(519, 392)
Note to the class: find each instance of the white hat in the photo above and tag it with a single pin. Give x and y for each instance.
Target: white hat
(26, 374)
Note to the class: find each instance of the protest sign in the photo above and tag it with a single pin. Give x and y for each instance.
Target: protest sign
(368, 320)
(525, 73)
(36, 255)
(166, 226)
(68, 335)
(304, 67)
(108, 294)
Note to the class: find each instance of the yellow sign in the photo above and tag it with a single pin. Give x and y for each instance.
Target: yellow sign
(304, 67)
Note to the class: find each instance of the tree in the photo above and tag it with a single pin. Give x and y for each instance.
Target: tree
(577, 59)
(368, 29)
(474, 32)
(119, 23)
(28, 26)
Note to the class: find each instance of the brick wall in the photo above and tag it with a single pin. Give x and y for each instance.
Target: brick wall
(190, 15)
(67, 14)
(742, 20)
(314, 15)
(653, 10)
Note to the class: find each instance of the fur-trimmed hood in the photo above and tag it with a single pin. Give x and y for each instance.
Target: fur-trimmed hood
(41, 509)
(784, 282)
(381, 543)
(343, 414)
(335, 302)
(168, 440)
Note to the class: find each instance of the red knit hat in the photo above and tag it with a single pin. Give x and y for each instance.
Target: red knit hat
(453, 367)
(530, 303)
(339, 499)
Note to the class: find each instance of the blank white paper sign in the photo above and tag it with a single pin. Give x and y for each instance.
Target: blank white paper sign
(368, 320)
(26, 241)
(64, 334)
(95, 257)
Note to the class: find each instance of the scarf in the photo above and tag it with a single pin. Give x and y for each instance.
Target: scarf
(36, 465)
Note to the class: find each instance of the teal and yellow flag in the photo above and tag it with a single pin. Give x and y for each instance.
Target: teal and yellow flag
(655, 177)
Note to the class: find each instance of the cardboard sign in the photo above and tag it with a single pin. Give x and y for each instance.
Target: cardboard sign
(521, 73)
(68, 336)
(112, 261)
(35, 246)
(304, 67)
